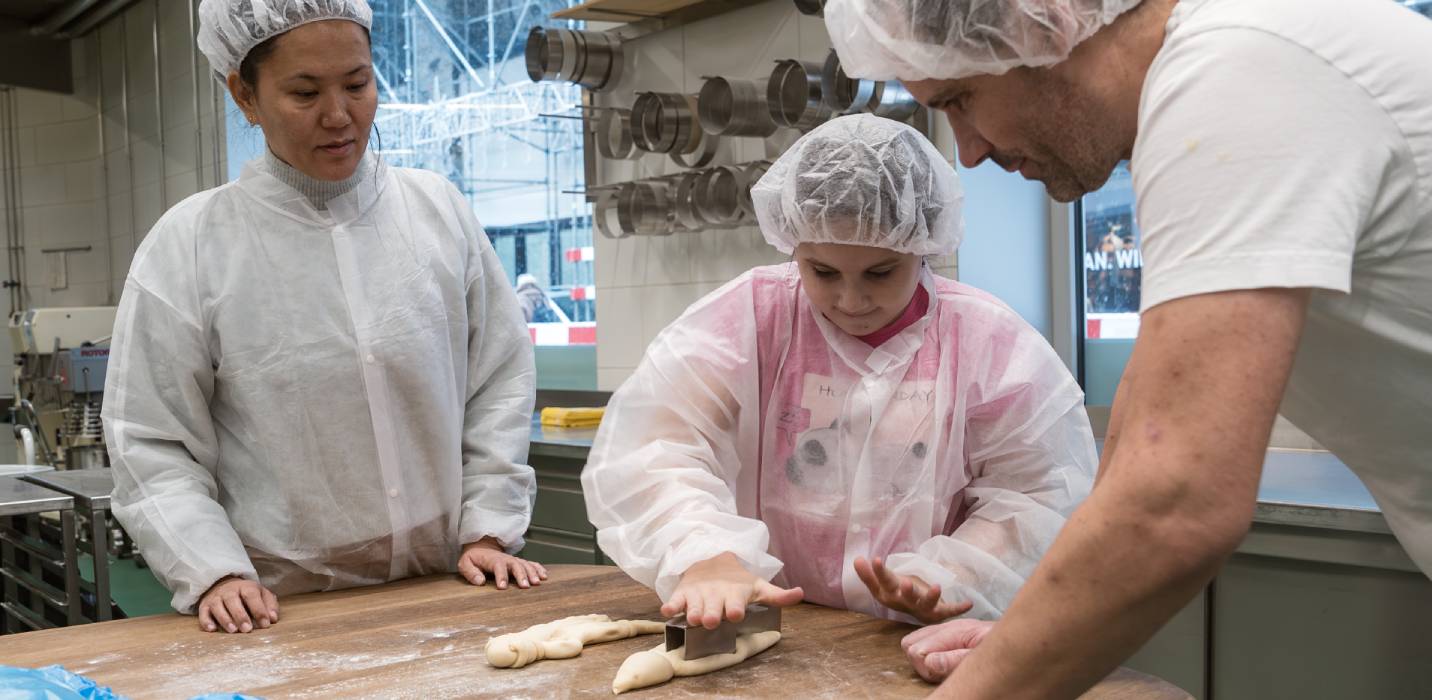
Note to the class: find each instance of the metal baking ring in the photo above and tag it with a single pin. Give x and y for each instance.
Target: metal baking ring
(644, 208)
(568, 56)
(580, 67)
(702, 157)
(614, 137)
(666, 129)
(604, 213)
(728, 107)
(815, 8)
(603, 61)
(793, 95)
(717, 197)
(594, 55)
(894, 101)
(616, 60)
(843, 94)
(751, 174)
(536, 54)
(645, 116)
(691, 139)
(683, 204)
(676, 124)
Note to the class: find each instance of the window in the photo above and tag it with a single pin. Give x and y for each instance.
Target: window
(1110, 266)
(454, 98)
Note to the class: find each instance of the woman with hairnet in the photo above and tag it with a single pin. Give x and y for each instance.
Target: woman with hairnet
(889, 441)
(319, 377)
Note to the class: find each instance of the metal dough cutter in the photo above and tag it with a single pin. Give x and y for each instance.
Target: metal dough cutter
(697, 641)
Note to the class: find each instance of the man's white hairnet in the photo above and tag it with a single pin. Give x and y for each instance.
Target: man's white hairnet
(950, 39)
(230, 29)
(862, 180)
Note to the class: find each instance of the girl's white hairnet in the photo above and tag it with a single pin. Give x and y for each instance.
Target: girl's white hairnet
(950, 39)
(862, 180)
(230, 29)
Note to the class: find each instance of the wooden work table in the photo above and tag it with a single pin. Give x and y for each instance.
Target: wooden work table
(424, 638)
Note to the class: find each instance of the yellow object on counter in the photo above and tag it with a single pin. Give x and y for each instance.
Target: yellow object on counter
(572, 417)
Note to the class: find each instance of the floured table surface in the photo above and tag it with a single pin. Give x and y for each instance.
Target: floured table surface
(424, 638)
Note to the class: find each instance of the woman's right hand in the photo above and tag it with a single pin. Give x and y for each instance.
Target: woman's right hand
(235, 604)
(720, 588)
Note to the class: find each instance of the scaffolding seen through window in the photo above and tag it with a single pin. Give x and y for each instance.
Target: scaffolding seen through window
(454, 98)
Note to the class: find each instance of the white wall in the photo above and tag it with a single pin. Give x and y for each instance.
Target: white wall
(104, 181)
(645, 283)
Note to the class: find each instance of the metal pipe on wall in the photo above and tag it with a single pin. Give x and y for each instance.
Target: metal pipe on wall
(198, 121)
(19, 292)
(159, 110)
(104, 170)
(128, 132)
(10, 170)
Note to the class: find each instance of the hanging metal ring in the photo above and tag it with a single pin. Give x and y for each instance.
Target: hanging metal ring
(614, 134)
(843, 94)
(793, 95)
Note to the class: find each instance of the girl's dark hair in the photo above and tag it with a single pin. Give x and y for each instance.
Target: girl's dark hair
(249, 67)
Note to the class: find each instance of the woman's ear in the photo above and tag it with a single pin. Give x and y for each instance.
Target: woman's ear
(243, 97)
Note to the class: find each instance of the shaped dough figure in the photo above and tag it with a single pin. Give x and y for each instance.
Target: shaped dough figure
(657, 665)
(562, 639)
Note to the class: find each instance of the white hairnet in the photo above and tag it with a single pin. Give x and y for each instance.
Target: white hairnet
(230, 29)
(862, 180)
(949, 39)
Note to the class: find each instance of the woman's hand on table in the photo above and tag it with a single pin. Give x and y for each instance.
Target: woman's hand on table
(720, 588)
(936, 650)
(236, 604)
(485, 558)
(906, 594)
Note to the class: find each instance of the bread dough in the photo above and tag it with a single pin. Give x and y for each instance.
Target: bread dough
(562, 639)
(658, 665)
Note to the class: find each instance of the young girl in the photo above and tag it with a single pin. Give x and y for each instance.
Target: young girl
(889, 441)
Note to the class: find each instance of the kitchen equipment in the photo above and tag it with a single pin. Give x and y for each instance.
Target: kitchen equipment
(793, 94)
(732, 107)
(590, 59)
(696, 641)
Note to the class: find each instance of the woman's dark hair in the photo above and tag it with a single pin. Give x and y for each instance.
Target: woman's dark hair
(249, 67)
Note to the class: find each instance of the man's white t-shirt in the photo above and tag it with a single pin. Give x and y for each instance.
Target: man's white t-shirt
(1288, 143)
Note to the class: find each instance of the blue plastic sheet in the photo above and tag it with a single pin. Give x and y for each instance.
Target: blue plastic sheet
(55, 683)
(49, 683)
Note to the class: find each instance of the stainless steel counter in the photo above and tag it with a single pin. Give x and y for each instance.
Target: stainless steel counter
(1313, 488)
(89, 486)
(567, 443)
(23, 498)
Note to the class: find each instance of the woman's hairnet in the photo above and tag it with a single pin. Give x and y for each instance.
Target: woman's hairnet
(862, 180)
(230, 29)
(949, 39)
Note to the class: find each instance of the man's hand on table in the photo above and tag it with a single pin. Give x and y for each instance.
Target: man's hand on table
(936, 650)
(236, 604)
(485, 557)
(720, 588)
(906, 594)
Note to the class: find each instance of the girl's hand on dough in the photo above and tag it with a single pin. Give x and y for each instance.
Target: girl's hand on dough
(720, 588)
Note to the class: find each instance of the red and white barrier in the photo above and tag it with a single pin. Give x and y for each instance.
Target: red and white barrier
(583, 254)
(581, 333)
